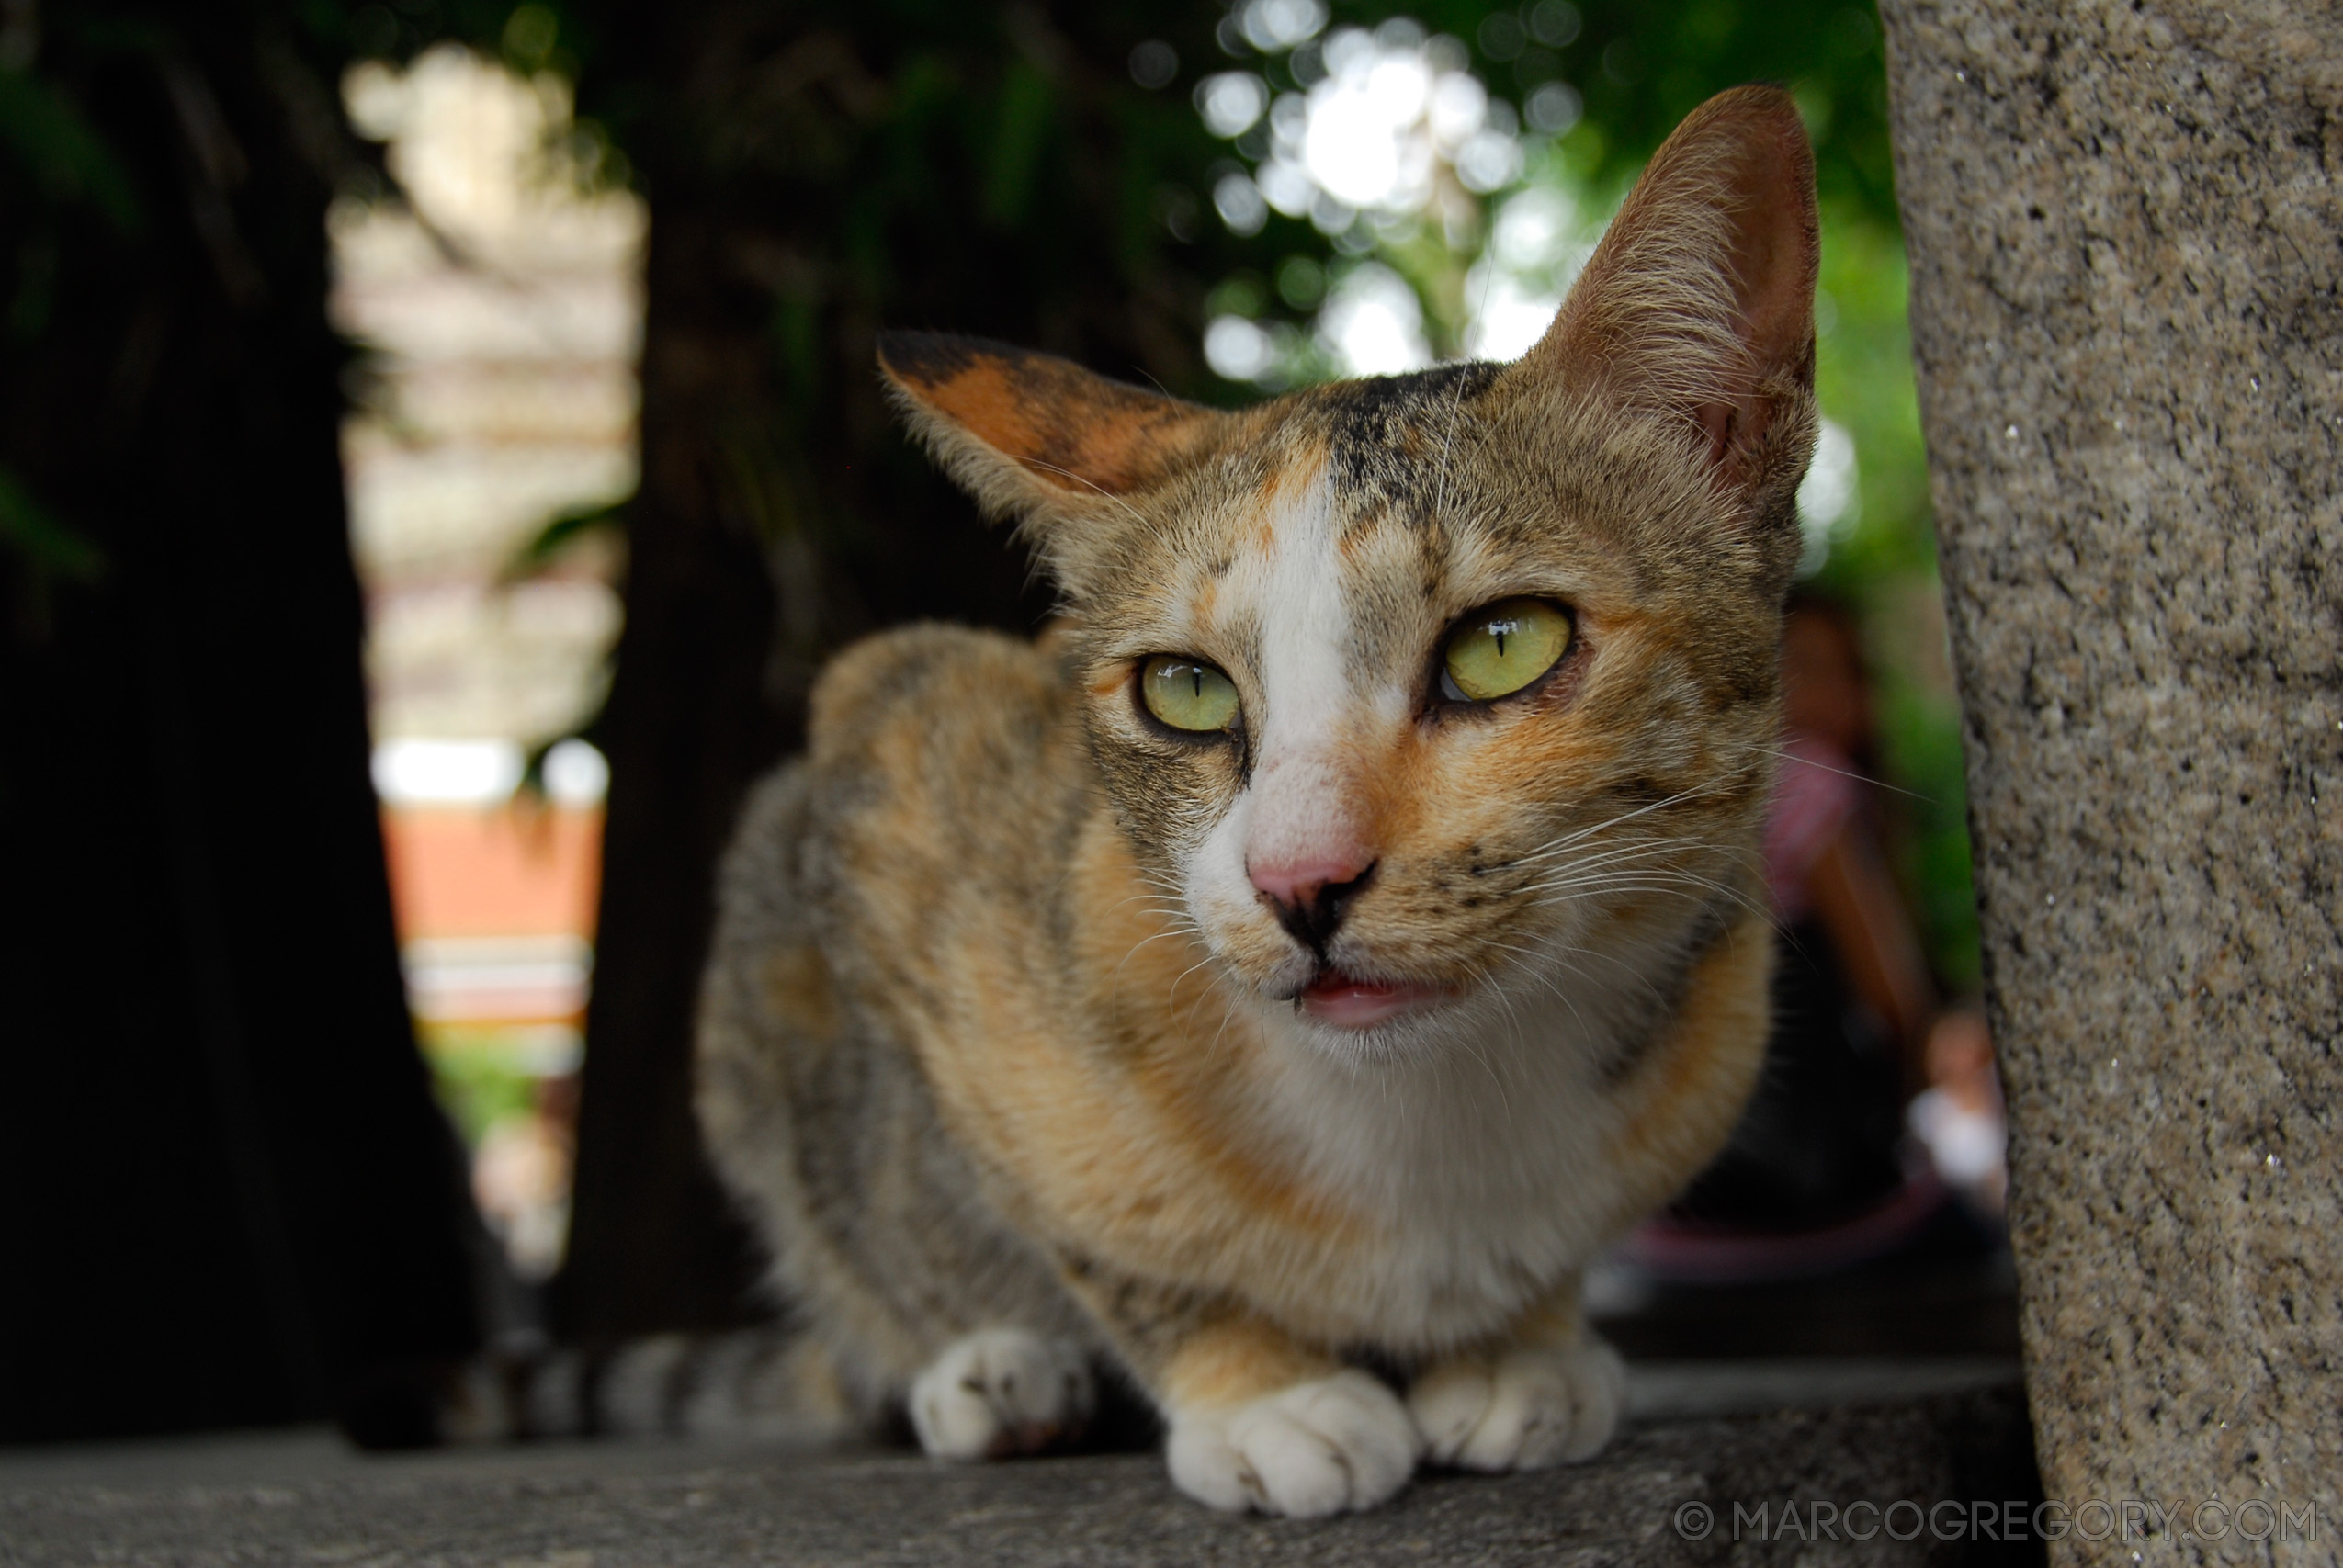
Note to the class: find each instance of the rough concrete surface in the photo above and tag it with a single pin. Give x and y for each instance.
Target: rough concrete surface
(288, 1501)
(2125, 229)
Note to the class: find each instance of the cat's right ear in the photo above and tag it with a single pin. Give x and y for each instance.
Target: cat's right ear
(1698, 305)
(1038, 438)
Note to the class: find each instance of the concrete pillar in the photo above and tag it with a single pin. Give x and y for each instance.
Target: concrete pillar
(2126, 229)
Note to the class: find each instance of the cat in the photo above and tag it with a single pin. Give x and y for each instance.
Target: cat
(1276, 983)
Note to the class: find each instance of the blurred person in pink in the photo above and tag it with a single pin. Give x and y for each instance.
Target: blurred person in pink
(1820, 1173)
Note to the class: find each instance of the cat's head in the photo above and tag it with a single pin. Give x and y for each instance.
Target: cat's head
(1410, 689)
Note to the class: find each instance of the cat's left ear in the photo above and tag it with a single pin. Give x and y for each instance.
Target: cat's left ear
(1038, 438)
(1699, 302)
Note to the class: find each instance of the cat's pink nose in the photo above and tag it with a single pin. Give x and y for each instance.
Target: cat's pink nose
(1310, 892)
(1292, 881)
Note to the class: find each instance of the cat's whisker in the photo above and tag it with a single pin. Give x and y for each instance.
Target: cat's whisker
(1583, 877)
(1448, 444)
(1569, 841)
(1228, 1013)
(1563, 962)
(1504, 1095)
(1685, 884)
(1530, 968)
(1625, 854)
(1155, 903)
(1117, 971)
(1137, 515)
(1639, 976)
(1846, 773)
(1556, 846)
(1490, 986)
(1621, 876)
(1160, 905)
(1685, 877)
(1188, 1014)
(1172, 998)
(1457, 407)
(1609, 875)
(1533, 972)
(1562, 996)
(1641, 848)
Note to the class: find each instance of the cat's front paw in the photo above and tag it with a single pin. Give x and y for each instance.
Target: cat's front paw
(1522, 1410)
(1000, 1391)
(1315, 1449)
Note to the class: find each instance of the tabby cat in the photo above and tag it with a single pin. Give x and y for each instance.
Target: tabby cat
(1279, 981)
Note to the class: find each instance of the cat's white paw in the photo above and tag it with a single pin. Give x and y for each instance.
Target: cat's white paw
(1311, 1449)
(1525, 1410)
(1000, 1391)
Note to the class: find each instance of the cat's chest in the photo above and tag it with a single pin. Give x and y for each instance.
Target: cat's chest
(1479, 1186)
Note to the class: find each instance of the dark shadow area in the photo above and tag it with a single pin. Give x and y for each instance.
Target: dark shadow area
(1952, 1295)
(230, 1198)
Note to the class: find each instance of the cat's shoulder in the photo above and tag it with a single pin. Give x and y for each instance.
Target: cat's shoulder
(945, 741)
(937, 682)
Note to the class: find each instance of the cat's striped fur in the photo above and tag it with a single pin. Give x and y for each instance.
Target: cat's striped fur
(1004, 1044)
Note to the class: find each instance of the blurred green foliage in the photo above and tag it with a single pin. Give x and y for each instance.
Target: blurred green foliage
(44, 545)
(66, 160)
(1641, 66)
(74, 207)
(484, 1074)
(57, 176)
(1883, 565)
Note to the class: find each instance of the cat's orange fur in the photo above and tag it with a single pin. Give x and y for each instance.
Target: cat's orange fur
(1016, 1069)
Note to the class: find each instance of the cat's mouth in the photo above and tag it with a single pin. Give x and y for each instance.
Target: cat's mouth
(1353, 1001)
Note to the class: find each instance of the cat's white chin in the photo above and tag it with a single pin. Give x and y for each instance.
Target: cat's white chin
(1349, 1001)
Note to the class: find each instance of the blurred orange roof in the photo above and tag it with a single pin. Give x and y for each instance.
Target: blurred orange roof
(506, 871)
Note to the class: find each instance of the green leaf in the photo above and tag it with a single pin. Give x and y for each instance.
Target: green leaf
(1026, 102)
(53, 547)
(563, 530)
(62, 151)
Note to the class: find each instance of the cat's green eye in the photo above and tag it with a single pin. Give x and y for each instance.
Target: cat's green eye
(1187, 694)
(1503, 648)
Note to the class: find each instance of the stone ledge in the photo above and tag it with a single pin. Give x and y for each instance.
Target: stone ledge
(278, 1501)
